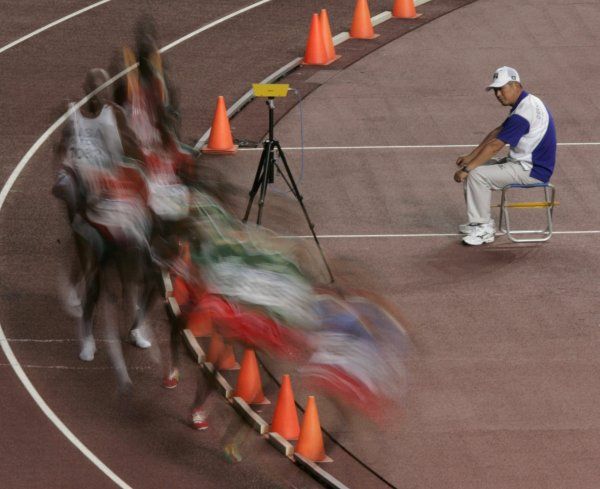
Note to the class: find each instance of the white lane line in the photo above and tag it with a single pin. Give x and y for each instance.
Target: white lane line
(14, 363)
(52, 24)
(417, 235)
(213, 24)
(413, 146)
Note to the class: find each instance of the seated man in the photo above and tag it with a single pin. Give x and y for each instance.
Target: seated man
(529, 130)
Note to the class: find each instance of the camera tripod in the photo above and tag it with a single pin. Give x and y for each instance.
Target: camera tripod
(265, 174)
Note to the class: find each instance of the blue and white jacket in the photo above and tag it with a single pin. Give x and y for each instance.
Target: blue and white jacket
(530, 132)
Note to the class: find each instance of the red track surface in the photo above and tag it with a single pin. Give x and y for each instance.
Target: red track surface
(504, 393)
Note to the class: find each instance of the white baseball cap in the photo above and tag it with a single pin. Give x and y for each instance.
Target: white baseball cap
(502, 76)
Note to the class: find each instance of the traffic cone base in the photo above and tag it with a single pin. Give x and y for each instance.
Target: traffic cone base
(337, 56)
(227, 359)
(206, 150)
(234, 366)
(374, 36)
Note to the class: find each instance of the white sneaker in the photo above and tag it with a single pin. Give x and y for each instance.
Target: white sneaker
(483, 233)
(137, 338)
(468, 227)
(88, 349)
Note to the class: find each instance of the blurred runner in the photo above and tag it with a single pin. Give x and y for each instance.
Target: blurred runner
(153, 120)
(105, 198)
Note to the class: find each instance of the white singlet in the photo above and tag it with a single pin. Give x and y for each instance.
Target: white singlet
(96, 141)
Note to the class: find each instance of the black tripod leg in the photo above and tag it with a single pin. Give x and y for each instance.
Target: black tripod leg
(294, 188)
(258, 178)
(268, 167)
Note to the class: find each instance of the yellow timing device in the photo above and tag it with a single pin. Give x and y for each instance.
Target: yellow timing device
(270, 89)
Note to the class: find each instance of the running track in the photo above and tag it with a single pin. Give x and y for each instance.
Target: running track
(144, 438)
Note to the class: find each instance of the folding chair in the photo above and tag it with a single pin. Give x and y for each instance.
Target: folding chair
(548, 204)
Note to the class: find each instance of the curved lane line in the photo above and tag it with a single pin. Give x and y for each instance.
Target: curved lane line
(213, 24)
(14, 363)
(16, 366)
(52, 24)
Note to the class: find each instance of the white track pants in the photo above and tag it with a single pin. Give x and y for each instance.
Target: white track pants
(491, 176)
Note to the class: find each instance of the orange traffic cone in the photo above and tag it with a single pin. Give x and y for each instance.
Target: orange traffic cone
(181, 293)
(404, 9)
(215, 349)
(227, 359)
(362, 27)
(310, 443)
(220, 140)
(315, 53)
(249, 386)
(199, 323)
(327, 38)
(285, 418)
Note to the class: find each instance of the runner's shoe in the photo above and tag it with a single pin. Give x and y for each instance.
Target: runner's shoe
(171, 381)
(199, 419)
(88, 349)
(137, 338)
(483, 233)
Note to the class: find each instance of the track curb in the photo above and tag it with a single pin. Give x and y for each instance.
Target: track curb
(255, 420)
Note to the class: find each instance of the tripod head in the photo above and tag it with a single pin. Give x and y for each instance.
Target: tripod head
(270, 90)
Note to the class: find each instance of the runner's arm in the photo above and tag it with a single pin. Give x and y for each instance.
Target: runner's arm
(62, 146)
(129, 141)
